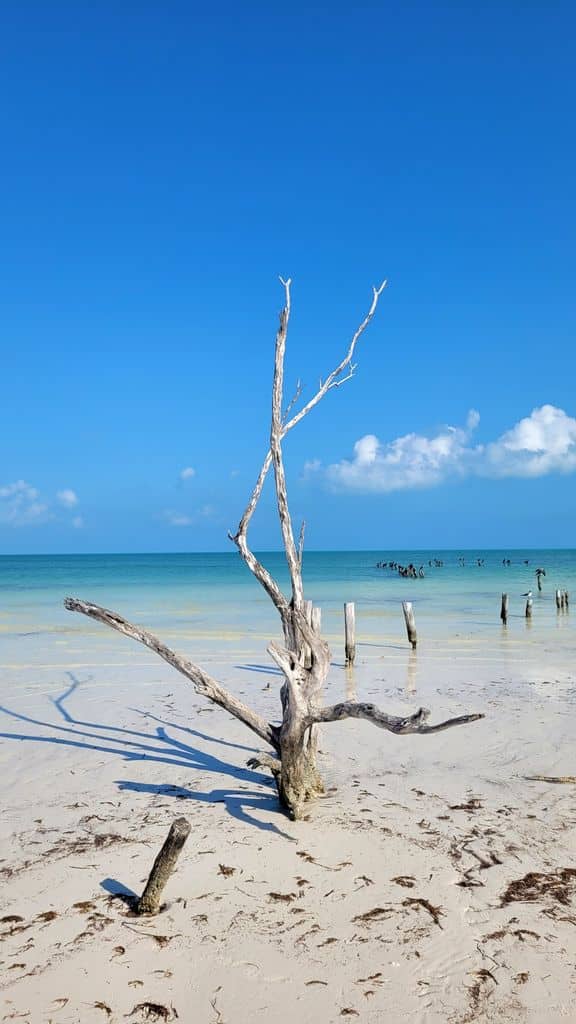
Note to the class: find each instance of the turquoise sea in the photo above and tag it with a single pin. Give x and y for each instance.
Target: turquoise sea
(215, 594)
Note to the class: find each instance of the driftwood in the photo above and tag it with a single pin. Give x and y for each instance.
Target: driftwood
(558, 779)
(149, 902)
(294, 740)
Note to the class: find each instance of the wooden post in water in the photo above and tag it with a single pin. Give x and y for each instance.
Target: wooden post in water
(349, 632)
(566, 600)
(504, 609)
(149, 902)
(558, 600)
(529, 608)
(410, 623)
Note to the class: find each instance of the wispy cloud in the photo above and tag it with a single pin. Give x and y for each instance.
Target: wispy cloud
(544, 442)
(176, 518)
(203, 514)
(21, 504)
(187, 473)
(67, 497)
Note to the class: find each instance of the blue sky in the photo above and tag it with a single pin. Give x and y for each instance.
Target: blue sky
(163, 163)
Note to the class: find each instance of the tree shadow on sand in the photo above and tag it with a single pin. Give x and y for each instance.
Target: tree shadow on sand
(161, 748)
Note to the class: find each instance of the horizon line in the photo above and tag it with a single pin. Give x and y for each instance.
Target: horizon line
(266, 551)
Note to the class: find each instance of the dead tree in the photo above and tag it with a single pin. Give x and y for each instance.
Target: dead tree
(294, 740)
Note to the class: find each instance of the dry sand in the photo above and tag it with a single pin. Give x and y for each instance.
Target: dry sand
(434, 881)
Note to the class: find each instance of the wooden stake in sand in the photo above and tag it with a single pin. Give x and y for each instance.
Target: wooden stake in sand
(566, 600)
(529, 608)
(558, 600)
(504, 609)
(349, 632)
(410, 623)
(149, 902)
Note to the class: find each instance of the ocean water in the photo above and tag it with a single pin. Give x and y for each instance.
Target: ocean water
(55, 664)
(215, 596)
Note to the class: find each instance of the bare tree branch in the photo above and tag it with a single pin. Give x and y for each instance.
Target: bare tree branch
(301, 543)
(204, 684)
(333, 380)
(415, 723)
(292, 401)
(276, 435)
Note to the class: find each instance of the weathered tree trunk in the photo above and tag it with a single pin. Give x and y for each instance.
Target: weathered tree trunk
(305, 657)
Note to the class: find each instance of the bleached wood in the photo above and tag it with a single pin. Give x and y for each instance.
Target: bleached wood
(306, 650)
(149, 902)
(416, 723)
(204, 684)
(334, 379)
(295, 739)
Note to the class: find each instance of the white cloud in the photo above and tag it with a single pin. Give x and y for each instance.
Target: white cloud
(22, 505)
(311, 466)
(544, 442)
(20, 487)
(472, 419)
(410, 461)
(541, 443)
(19, 505)
(187, 473)
(67, 497)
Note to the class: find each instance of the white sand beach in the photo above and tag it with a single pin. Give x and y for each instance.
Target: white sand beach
(434, 881)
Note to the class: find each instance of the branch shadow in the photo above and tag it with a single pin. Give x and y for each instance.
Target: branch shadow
(160, 748)
(267, 670)
(194, 732)
(236, 801)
